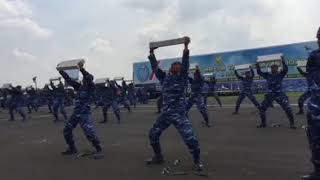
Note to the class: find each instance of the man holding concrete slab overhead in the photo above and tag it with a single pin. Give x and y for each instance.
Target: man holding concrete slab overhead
(247, 82)
(313, 116)
(275, 92)
(82, 110)
(174, 86)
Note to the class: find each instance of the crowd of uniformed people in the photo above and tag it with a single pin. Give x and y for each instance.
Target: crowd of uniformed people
(173, 103)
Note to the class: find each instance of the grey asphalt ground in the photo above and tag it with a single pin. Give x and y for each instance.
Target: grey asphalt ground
(231, 150)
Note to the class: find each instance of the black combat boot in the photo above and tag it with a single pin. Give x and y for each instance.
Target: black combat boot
(99, 154)
(155, 161)
(301, 112)
(70, 151)
(313, 176)
(158, 158)
(198, 166)
(262, 125)
(235, 113)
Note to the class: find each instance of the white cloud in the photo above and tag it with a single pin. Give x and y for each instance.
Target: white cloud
(17, 15)
(117, 32)
(22, 55)
(222, 25)
(26, 25)
(14, 8)
(146, 5)
(101, 45)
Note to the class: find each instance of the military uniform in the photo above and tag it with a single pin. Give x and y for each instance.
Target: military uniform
(32, 100)
(58, 101)
(275, 93)
(160, 103)
(313, 114)
(132, 95)
(197, 98)
(212, 91)
(16, 103)
(48, 97)
(246, 90)
(174, 108)
(122, 98)
(109, 100)
(307, 94)
(82, 111)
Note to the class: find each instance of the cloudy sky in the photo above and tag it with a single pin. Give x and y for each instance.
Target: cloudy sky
(112, 34)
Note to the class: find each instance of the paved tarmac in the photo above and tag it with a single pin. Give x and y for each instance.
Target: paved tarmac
(231, 150)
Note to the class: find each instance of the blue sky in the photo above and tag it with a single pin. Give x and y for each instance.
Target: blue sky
(112, 34)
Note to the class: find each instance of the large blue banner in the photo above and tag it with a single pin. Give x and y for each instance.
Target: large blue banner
(222, 64)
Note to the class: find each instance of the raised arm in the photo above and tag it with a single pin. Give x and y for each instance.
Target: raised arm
(237, 75)
(117, 85)
(304, 74)
(71, 82)
(155, 67)
(285, 67)
(202, 80)
(313, 63)
(11, 90)
(52, 85)
(252, 72)
(87, 77)
(262, 74)
(185, 58)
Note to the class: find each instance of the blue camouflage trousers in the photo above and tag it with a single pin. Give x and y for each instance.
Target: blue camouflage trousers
(58, 105)
(250, 96)
(115, 108)
(16, 106)
(306, 95)
(86, 124)
(32, 104)
(214, 94)
(125, 102)
(184, 127)
(313, 130)
(282, 99)
(199, 101)
(132, 100)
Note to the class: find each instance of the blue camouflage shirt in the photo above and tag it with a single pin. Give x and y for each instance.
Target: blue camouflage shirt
(173, 86)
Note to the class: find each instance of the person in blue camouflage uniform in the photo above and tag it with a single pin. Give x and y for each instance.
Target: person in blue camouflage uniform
(32, 100)
(16, 102)
(98, 95)
(132, 95)
(246, 91)
(123, 99)
(109, 99)
(307, 94)
(313, 114)
(212, 91)
(4, 98)
(160, 103)
(174, 85)
(48, 96)
(275, 93)
(58, 101)
(196, 96)
(82, 112)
